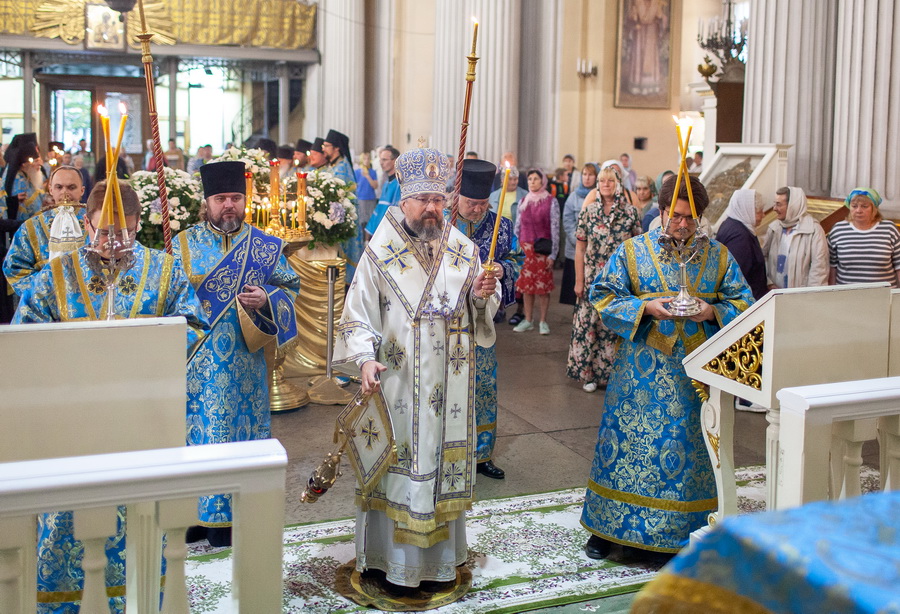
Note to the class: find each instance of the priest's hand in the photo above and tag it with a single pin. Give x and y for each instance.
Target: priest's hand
(370, 380)
(706, 312)
(253, 297)
(657, 308)
(485, 285)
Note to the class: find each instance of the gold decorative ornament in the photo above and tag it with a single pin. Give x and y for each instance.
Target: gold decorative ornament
(742, 361)
(714, 442)
(702, 390)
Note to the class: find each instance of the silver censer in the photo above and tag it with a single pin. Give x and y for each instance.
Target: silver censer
(683, 250)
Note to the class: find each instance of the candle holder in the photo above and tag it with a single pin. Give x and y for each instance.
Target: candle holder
(684, 305)
(121, 258)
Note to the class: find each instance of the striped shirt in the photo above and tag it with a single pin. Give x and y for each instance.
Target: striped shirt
(865, 255)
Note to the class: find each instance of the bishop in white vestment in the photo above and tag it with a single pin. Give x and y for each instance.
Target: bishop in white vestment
(417, 307)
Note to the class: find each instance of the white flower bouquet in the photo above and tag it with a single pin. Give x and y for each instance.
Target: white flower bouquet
(330, 208)
(185, 193)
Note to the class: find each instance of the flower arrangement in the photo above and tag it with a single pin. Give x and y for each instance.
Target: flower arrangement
(330, 207)
(256, 162)
(185, 195)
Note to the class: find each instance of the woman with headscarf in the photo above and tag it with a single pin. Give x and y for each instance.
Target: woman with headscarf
(864, 247)
(571, 210)
(738, 233)
(605, 222)
(794, 246)
(537, 222)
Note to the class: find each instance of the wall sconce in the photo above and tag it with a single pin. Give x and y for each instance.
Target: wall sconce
(585, 68)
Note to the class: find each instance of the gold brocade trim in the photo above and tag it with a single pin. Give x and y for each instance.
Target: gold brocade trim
(85, 295)
(453, 455)
(445, 511)
(669, 593)
(659, 341)
(255, 338)
(632, 265)
(486, 427)
(625, 542)
(421, 540)
(700, 505)
(742, 361)
(165, 279)
(59, 286)
(136, 306)
(35, 244)
(214, 525)
(33, 196)
(67, 596)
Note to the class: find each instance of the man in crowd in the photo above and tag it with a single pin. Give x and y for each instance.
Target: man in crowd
(412, 318)
(629, 178)
(285, 161)
(174, 156)
(247, 289)
(336, 148)
(49, 234)
(68, 289)
(301, 155)
(652, 483)
(477, 222)
(795, 247)
(317, 157)
(390, 189)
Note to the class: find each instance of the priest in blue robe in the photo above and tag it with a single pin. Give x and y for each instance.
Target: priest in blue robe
(247, 289)
(68, 290)
(49, 234)
(477, 222)
(336, 148)
(652, 482)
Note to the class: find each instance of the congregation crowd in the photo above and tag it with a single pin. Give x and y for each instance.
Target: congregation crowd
(449, 286)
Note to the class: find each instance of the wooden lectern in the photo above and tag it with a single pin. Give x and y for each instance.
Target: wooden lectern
(791, 337)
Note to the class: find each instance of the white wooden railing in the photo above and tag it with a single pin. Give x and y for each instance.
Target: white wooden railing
(822, 431)
(160, 488)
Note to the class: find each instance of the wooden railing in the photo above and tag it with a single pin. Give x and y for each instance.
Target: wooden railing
(160, 488)
(823, 428)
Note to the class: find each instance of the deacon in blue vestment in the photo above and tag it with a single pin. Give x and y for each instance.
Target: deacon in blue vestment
(390, 191)
(67, 290)
(651, 482)
(477, 221)
(336, 148)
(247, 290)
(49, 234)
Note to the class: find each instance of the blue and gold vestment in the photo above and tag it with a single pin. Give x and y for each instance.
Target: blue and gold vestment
(30, 249)
(510, 257)
(31, 205)
(651, 482)
(67, 290)
(227, 383)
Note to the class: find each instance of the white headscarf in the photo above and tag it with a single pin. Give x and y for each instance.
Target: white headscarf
(743, 206)
(796, 208)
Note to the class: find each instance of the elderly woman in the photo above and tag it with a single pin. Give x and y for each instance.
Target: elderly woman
(646, 196)
(537, 226)
(605, 222)
(571, 210)
(865, 247)
(737, 232)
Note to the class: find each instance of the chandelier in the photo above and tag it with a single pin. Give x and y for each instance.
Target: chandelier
(724, 38)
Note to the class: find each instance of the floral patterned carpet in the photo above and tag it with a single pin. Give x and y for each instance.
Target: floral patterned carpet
(525, 553)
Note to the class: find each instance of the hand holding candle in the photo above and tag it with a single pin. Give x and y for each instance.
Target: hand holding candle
(499, 214)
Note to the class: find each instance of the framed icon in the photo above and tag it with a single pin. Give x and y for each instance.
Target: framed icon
(104, 28)
(643, 62)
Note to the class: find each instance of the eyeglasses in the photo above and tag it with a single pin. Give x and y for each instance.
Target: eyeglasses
(437, 201)
(677, 218)
(103, 233)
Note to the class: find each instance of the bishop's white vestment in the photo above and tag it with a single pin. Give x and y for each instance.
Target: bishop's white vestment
(419, 319)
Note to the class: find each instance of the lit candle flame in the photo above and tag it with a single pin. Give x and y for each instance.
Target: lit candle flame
(122, 108)
(102, 110)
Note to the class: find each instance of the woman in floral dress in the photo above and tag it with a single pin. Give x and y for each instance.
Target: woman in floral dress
(606, 220)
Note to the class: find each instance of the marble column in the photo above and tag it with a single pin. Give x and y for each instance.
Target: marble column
(867, 101)
(789, 94)
(173, 100)
(342, 45)
(539, 84)
(383, 87)
(284, 101)
(494, 114)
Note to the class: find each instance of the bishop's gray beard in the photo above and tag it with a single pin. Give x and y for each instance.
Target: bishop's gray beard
(226, 226)
(427, 232)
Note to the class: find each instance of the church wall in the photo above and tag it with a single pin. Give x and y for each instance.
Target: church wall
(413, 60)
(592, 128)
